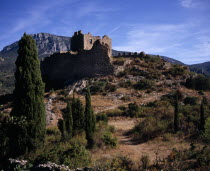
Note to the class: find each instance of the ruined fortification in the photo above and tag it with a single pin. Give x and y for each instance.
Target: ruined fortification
(90, 56)
(80, 41)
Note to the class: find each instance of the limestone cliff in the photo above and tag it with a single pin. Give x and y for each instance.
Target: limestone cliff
(47, 44)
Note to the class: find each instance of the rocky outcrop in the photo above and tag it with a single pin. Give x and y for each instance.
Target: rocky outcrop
(78, 86)
(47, 44)
(50, 115)
(64, 68)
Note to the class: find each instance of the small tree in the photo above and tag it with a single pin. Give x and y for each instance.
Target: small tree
(90, 121)
(176, 115)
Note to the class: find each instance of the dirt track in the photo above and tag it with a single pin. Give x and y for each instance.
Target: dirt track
(134, 150)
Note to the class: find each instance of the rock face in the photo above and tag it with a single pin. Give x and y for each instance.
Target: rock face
(47, 44)
(63, 68)
(50, 116)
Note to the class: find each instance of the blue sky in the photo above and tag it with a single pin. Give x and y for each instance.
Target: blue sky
(176, 28)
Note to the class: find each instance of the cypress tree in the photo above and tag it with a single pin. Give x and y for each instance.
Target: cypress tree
(202, 116)
(68, 120)
(62, 128)
(90, 121)
(78, 115)
(29, 92)
(176, 115)
(65, 125)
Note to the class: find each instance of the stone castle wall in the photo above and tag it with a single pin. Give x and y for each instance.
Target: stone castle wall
(63, 68)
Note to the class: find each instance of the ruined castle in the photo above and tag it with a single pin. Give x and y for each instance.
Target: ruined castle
(80, 41)
(90, 56)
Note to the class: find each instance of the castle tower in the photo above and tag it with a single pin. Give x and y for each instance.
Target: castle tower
(80, 41)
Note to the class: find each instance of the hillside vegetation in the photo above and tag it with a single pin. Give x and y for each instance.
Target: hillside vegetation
(134, 111)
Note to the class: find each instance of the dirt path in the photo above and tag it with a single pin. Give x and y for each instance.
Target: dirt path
(154, 148)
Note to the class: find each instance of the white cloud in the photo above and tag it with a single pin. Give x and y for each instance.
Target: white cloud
(187, 3)
(193, 3)
(93, 8)
(113, 30)
(174, 40)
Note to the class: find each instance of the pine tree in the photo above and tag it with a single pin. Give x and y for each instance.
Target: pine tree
(90, 120)
(29, 92)
(202, 116)
(176, 115)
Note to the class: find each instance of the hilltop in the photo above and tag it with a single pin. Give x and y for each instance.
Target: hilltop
(47, 45)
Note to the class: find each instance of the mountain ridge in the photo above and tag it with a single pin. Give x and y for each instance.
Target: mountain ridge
(48, 44)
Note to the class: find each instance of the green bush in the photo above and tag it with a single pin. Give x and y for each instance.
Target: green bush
(102, 86)
(126, 84)
(53, 131)
(75, 156)
(133, 110)
(143, 84)
(122, 107)
(136, 71)
(102, 117)
(109, 140)
(190, 100)
(150, 128)
(114, 113)
(177, 70)
(72, 153)
(117, 163)
(111, 129)
(97, 87)
(103, 136)
(199, 157)
(201, 92)
(151, 58)
(110, 88)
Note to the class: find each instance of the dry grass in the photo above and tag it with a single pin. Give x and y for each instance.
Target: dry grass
(153, 148)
